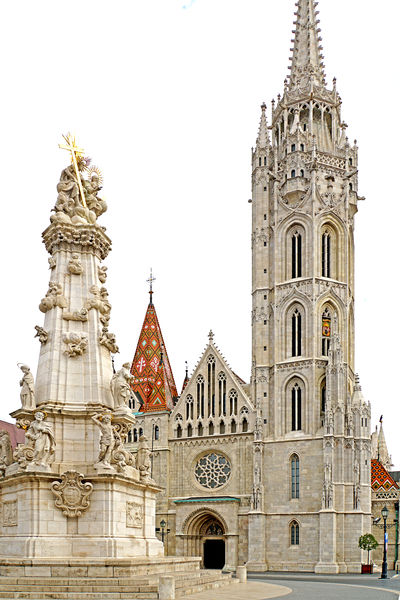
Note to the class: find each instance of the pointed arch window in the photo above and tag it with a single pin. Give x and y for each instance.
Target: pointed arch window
(294, 533)
(189, 407)
(222, 427)
(200, 429)
(233, 426)
(326, 254)
(135, 435)
(211, 428)
(156, 432)
(294, 476)
(296, 333)
(233, 402)
(296, 407)
(326, 332)
(211, 386)
(179, 431)
(296, 255)
(200, 396)
(221, 394)
(245, 425)
(189, 430)
(323, 396)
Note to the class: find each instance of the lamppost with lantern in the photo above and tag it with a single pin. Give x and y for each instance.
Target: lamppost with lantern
(162, 530)
(385, 527)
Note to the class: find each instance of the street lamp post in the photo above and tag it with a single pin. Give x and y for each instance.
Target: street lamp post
(385, 514)
(162, 530)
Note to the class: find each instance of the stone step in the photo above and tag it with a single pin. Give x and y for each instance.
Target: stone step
(77, 596)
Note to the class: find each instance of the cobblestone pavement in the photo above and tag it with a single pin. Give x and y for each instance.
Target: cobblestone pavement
(244, 591)
(309, 586)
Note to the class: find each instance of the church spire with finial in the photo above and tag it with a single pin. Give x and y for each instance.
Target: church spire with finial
(150, 282)
(262, 138)
(307, 59)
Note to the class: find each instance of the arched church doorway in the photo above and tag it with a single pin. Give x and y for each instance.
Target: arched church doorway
(206, 537)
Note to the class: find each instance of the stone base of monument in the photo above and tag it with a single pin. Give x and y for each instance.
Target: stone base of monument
(95, 579)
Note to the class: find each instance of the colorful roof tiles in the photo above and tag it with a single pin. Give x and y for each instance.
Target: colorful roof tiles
(154, 383)
(381, 480)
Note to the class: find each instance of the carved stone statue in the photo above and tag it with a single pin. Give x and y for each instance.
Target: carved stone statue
(102, 273)
(77, 315)
(107, 440)
(54, 297)
(91, 188)
(100, 301)
(27, 393)
(69, 207)
(41, 334)
(52, 262)
(41, 439)
(143, 460)
(120, 386)
(121, 457)
(76, 344)
(108, 340)
(6, 454)
(75, 265)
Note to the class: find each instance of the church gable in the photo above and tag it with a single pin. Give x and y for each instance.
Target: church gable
(214, 401)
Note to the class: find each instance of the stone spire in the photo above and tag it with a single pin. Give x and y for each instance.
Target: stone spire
(307, 67)
(383, 454)
(262, 138)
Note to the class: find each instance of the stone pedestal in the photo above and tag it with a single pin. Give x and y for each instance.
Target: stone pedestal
(257, 542)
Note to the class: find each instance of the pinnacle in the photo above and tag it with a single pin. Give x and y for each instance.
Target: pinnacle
(307, 59)
(262, 138)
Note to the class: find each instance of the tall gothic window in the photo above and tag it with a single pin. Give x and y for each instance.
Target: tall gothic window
(326, 332)
(294, 533)
(189, 430)
(200, 429)
(211, 386)
(222, 394)
(233, 399)
(296, 255)
(200, 396)
(189, 407)
(296, 407)
(294, 476)
(296, 333)
(323, 396)
(179, 431)
(326, 254)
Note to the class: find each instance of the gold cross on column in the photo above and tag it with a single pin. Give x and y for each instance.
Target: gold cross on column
(75, 151)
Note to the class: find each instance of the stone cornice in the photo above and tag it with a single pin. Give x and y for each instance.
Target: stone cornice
(86, 238)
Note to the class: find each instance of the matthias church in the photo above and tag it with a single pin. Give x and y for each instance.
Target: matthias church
(274, 473)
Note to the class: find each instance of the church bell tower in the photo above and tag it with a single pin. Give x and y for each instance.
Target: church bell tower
(315, 447)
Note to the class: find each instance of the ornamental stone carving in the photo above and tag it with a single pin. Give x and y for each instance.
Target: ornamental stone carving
(100, 301)
(72, 494)
(77, 315)
(120, 457)
(76, 344)
(107, 439)
(27, 384)
(212, 470)
(52, 262)
(108, 340)
(75, 265)
(102, 273)
(6, 454)
(10, 513)
(120, 386)
(39, 451)
(143, 459)
(54, 297)
(42, 334)
(91, 239)
(134, 514)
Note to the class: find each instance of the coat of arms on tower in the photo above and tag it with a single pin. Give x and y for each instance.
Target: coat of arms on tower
(72, 495)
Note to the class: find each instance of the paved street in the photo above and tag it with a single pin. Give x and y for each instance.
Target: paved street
(309, 586)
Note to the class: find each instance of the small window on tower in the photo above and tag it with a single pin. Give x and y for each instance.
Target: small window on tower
(293, 147)
(265, 161)
(265, 296)
(302, 173)
(293, 173)
(305, 127)
(259, 162)
(351, 187)
(265, 217)
(302, 147)
(265, 188)
(350, 161)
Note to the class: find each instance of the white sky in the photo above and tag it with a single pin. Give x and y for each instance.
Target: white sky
(166, 100)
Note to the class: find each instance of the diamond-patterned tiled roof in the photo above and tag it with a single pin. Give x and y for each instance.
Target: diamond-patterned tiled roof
(381, 480)
(153, 379)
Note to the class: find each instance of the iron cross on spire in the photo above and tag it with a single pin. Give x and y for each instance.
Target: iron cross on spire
(150, 281)
(75, 151)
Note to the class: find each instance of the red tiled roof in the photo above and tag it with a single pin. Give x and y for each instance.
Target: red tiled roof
(17, 436)
(380, 478)
(153, 378)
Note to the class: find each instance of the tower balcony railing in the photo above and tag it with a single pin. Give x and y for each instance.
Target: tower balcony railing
(294, 187)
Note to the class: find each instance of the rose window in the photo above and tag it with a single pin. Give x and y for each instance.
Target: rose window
(212, 470)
